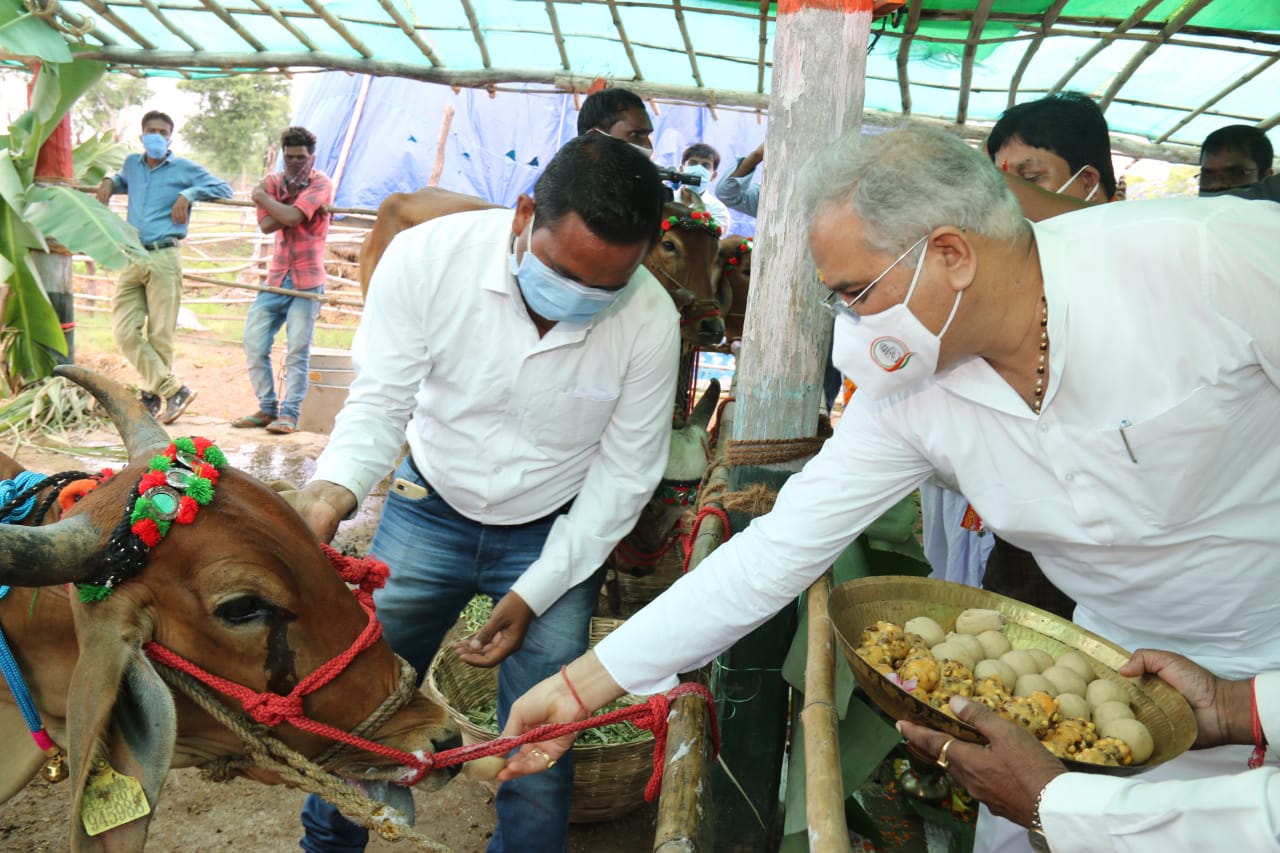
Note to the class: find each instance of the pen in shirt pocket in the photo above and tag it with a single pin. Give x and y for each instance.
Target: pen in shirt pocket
(1124, 425)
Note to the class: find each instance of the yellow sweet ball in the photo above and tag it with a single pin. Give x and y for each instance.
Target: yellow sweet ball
(1108, 711)
(1104, 690)
(1134, 733)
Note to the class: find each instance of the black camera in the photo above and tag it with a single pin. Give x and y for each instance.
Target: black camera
(671, 176)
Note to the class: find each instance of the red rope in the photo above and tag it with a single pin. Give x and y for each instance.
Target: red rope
(645, 559)
(369, 573)
(1255, 725)
(650, 715)
(697, 523)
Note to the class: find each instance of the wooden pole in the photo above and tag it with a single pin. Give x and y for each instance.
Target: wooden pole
(686, 796)
(824, 784)
(779, 379)
(441, 144)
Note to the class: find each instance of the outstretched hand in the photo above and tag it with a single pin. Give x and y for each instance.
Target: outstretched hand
(498, 637)
(1007, 774)
(546, 702)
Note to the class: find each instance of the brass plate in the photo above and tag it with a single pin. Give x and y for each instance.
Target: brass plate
(859, 603)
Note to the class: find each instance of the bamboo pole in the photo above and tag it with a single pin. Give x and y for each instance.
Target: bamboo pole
(280, 19)
(102, 9)
(555, 31)
(1217, 96)
(340, 28)
(1088, 56)
(170, 25)
(405, 27)
(969, 55)
(686, 792)
(904, 53)
(216, 8)
(688, 43)
(476, 32)
(1142, 54)
(433, 180)
(824, 784)
(1050, 18)
(622, 37)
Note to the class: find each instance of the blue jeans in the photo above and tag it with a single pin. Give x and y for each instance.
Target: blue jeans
(267, 314)
(439, 559)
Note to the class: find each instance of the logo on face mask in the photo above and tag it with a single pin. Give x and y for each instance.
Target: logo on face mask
(890, 354)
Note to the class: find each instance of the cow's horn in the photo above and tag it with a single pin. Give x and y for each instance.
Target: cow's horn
(706, 406)
(69, 551)
(141, 434)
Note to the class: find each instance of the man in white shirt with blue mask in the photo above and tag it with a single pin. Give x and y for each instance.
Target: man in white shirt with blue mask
(702, 160)
(530, 362)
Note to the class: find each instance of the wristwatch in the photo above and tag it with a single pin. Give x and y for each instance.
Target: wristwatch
(1035, 833)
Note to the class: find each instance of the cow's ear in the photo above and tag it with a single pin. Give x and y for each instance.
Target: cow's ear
(119, 712)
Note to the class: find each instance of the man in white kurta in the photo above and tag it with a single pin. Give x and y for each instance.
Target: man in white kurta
(1147, 485)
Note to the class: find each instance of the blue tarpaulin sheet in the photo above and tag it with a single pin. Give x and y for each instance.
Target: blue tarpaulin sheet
(495, 146)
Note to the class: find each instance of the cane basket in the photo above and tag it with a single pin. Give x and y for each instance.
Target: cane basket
(636, 592)
(858, 604)
(608, 779)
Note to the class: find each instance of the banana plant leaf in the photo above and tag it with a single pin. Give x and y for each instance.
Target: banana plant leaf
(97, 157)
(29, 355)
(84, 225)
(56, 89)
(23, 34)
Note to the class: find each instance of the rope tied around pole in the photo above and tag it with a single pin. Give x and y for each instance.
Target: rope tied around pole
(769, 451)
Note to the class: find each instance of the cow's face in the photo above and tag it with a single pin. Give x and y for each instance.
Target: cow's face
(244, 592)
(684, 261)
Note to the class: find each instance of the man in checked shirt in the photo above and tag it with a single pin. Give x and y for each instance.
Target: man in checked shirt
(291, 205)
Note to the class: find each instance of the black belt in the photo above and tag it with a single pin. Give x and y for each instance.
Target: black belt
(561, 511)
(160, 244)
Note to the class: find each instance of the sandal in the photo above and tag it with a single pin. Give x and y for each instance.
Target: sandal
(282, 426)
(257, 419)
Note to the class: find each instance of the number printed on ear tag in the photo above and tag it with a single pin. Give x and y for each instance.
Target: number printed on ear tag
(111, 799)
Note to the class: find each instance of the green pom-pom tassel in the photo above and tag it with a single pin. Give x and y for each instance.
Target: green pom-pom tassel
(185, 444)
(160, 463)
(163, 527)
(141, 509)
(214, 457)
(90, 593)
(200, 490)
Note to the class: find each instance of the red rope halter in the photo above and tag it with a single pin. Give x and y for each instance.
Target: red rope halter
(368, 574)
(697, 523)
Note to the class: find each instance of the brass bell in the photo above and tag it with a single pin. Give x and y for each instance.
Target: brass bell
(55, 769)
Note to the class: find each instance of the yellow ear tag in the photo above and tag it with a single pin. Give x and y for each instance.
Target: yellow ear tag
(111, 799)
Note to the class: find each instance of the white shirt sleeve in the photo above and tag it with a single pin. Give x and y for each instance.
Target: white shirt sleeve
(632, 456)
(391, 358)
(1087, 813)
(862, 471)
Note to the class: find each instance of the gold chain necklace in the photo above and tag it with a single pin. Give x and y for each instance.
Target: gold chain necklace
(1038, 398)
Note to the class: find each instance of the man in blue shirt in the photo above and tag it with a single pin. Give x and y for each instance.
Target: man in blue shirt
(161, 189)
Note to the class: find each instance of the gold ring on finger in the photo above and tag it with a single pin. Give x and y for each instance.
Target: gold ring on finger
(942, 754)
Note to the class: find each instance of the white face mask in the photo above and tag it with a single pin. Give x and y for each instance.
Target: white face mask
(887, 352)
(1071, 180)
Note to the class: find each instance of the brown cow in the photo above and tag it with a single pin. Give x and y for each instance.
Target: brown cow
(244, 591)
(683, 260)
(733, 285)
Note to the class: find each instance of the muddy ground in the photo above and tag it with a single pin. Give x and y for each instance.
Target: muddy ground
(195, 815)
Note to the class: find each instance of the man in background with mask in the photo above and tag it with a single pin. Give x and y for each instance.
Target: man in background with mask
(144, 310)
(1235, 157)
(1102, 386)
(702, 160)
(530, 362)
(291, 204)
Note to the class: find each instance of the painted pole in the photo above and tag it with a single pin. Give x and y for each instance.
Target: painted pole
(819, 70)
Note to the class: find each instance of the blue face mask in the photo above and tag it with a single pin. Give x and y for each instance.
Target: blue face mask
(704, 173)
(551, 295)
(155, 145)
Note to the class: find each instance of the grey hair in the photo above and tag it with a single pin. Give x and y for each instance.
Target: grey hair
(904, 183)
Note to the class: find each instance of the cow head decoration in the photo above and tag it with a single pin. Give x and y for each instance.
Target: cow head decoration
(684, 261)
(244, 592)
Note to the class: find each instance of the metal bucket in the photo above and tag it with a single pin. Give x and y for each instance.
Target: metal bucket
(328, 380)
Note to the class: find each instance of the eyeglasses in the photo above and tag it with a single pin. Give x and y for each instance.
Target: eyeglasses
(1228, 178)
(837, 307)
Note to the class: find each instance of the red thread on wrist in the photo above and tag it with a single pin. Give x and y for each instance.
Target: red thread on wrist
(564, 672)
(1255, 722)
